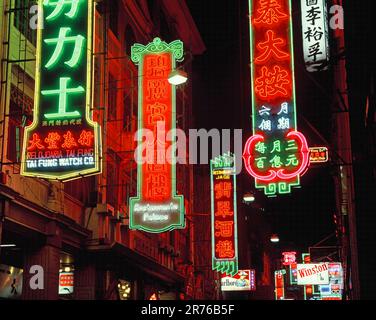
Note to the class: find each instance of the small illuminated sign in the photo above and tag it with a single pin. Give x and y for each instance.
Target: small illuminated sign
(279, 284)
(277, 154)
(315, 34)
(66, 283)
(288, 258)
(63, 142)
(224, 214)
(318, 155)
(244, 280)
(157, 207)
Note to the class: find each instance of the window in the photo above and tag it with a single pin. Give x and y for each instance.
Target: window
(130, 39)
(112, 97)
(114, 15)
(80, 188)
(20, 110)
(113, 163)
(22, 18)
(127, 118)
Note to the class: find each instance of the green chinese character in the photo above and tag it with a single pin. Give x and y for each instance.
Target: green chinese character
(291, 145)
(276, 162)
(276, 146)
(292, 160)
(63, 92)
(260, 162)
(261, 147)
(59, 6)
(60, 42)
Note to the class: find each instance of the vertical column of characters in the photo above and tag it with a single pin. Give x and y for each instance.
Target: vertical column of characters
(156, 208)
(63, 142)
(224, 217)
(276, 155)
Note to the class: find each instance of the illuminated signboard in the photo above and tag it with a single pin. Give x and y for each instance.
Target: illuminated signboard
(293, 273)
(288, 258)
(157, 208)
(279, 283)
(224, 214)
(318, 155)
(244, 280)
(313, 274)
(277, 154)
(63, 142)
(315, 34)
(333, 291)
(66, 283)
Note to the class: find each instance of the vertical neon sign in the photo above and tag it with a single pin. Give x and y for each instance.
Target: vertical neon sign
(63, 142)
(224, 214)
(157, 208)
(277, 154)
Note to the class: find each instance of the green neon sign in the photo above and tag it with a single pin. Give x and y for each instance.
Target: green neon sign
(63, 142)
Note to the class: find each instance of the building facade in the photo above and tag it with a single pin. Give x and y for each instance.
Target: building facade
(78, 231)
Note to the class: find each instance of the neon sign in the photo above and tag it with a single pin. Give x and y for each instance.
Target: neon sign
(279, 284)
(63, 142)
(315, 34)
(288, 258)
(318, 155)
(157, 207)
(224, 214)
(277, 155)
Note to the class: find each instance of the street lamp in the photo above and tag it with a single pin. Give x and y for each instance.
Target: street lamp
(248, 198)
(274, 238)
(177, 77)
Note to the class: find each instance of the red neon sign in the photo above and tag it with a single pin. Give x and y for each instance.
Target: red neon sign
(289, 258)
(277, 154)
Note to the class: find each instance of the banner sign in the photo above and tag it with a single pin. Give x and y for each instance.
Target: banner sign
(157, 208)
(277, 154)
(315, 34)
(313, 274)
(63, 142)
(224, 214)
(244, 280)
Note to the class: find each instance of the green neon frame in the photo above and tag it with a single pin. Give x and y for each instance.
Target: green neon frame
(138, 53)
(272, 189)
(88, 113)
(283, 272)
(228, 266)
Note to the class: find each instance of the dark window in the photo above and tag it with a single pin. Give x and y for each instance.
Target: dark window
(130, 39)
(22, 17)
(114, 16)
(112, 97)
(113, 163)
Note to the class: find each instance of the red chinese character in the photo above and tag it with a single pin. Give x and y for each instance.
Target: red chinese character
(224, 209)
(69, 141)
(86, 138)
(35, 143)
(270, 12)
(52, 139)
(272, 83)
(225, 249)
(270, 48)
(223, 190)
(224, 229)
(157, 186)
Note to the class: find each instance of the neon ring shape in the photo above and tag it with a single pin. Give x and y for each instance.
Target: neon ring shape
(247, 156)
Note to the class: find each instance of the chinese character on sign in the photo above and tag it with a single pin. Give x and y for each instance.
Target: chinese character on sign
(272, 82)
(270, 12)
(225, 249)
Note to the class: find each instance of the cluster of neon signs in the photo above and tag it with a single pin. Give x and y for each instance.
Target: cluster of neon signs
(63, 142)
(277, 154)
(315, 34)
(224, 214)
(156, 208)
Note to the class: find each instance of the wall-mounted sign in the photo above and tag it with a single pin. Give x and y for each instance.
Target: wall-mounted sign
(313, 274)
(277, 154)
(288, 258)
(279, 284)
(63, 142)
(333, 291)
(318, 155)
(10, 282)
(293, 273)
(66, 283)
(224, 214)
(157, 207)
(244, 280)
(315, 34)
